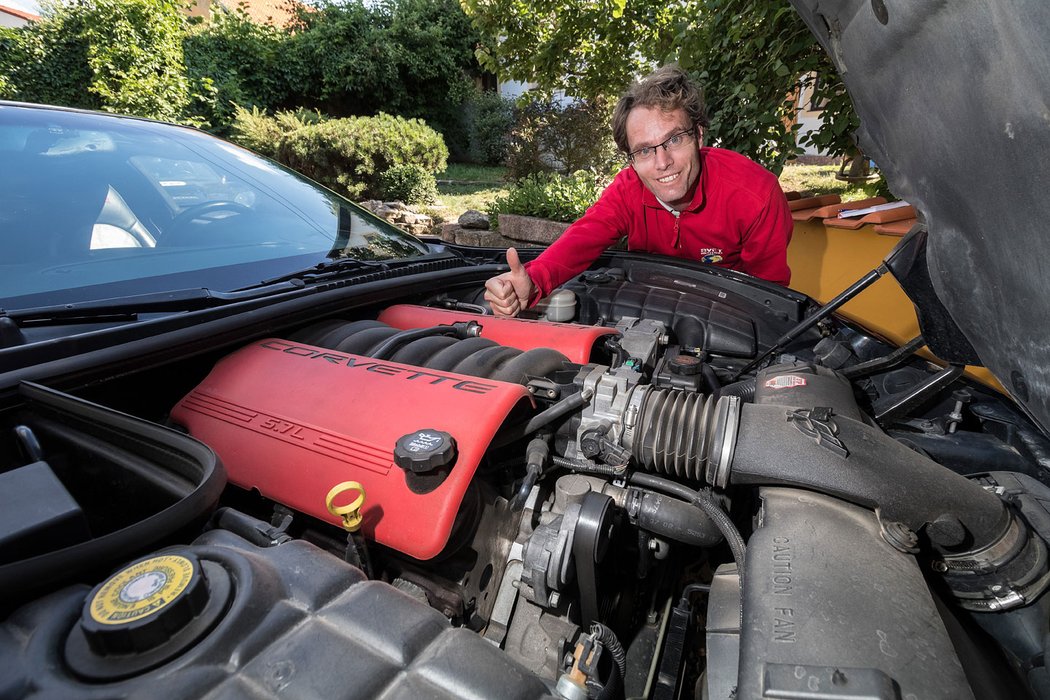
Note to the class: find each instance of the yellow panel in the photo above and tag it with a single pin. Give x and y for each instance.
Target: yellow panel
(824, 261)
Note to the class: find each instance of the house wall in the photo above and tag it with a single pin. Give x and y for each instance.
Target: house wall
(15, 16)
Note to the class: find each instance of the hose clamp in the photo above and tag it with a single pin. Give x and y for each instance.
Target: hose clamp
(723, 441)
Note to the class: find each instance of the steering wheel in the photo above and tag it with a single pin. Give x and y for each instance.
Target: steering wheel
(178, 226)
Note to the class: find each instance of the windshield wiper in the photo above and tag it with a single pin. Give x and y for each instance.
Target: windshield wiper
(329, 268)
(129, 307)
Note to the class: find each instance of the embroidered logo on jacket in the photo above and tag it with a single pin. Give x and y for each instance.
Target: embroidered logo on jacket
(710, 255)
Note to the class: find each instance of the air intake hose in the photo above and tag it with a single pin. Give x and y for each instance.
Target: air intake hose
(982, 548)
(670, 433)
(859, 463)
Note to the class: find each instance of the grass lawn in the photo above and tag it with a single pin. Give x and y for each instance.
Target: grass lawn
(462, 187)
(812, 180)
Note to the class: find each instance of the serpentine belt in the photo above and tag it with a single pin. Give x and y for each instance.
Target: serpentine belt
(591, 539)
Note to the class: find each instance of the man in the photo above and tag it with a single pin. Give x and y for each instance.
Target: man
(676, 197)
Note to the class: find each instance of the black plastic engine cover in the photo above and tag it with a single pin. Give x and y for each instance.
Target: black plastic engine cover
(695, 320)
(301, 624)
(830, 610)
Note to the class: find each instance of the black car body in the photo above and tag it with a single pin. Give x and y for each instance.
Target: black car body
(258, 443)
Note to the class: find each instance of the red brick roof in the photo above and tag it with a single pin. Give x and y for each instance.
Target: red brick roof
(278, 13)
(19, 13)
(275, 12)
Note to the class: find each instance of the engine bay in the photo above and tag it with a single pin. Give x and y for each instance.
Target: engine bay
(636, 491)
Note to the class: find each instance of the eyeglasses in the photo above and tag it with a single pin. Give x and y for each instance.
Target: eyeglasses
(673, 143)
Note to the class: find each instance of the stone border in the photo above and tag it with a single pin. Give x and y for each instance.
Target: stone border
(530, 229)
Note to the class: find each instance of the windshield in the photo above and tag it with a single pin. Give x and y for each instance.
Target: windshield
(94, 206)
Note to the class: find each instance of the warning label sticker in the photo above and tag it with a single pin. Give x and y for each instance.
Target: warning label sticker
(785, 381)
(141, 589)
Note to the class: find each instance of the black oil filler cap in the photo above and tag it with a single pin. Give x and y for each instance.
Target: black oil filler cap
(427, 456)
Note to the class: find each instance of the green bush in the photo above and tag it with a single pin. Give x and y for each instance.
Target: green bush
(46, 61)
(256, 131)
(551, 137)
(491, 118)
(414, 58)
(349, 155)
(135, 55)
(552, 196)
(292, 119)
(259, 132)
(409, 183)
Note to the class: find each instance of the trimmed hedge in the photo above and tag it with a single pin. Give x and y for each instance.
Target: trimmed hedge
(256, 130)
(411, 184)
(349, 155)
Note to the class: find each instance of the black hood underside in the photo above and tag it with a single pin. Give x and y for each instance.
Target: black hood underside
(953, 100)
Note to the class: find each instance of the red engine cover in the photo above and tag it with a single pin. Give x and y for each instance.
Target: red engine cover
(570, 339)
(294, 420)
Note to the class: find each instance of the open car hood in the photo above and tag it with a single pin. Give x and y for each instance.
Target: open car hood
(953, 105)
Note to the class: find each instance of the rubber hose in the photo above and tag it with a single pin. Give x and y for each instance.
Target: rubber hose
(744, 389)
(702, 501)
(672, 518)
(714, 386)
(256, 531)
(391, 344)
(535, 457)
(673, 432)
(544, 418)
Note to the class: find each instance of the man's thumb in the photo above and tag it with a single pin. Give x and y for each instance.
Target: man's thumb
(514, 262)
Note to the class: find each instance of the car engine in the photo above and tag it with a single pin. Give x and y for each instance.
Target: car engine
(634, 492)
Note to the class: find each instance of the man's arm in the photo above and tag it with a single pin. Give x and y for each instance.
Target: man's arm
(764, 253)
(601, 226)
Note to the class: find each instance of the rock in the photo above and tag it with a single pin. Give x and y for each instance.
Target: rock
(492, 239)
(448, 232)
(370, 204)
(387, 213)
(454, 233)
(472, 218)
(530, 229)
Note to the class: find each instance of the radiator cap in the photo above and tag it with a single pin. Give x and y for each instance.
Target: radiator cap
(146, 614)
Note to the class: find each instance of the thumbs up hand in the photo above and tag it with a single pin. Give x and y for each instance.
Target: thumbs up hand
(510, 292)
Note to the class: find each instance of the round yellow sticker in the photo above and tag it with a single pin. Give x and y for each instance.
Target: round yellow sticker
(141, 589)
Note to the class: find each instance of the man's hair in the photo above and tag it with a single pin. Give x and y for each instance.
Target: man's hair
(668, 88)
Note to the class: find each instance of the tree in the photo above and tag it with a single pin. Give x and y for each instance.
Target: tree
(231, 60)
(578, 46)
(120, 56)
(46, 61)
(135, 56)
(414, 58)
(751, 55)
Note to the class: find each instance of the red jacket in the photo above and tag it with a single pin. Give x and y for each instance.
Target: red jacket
(739, 218)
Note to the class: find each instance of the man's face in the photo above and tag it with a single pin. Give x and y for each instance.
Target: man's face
(671, 172)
